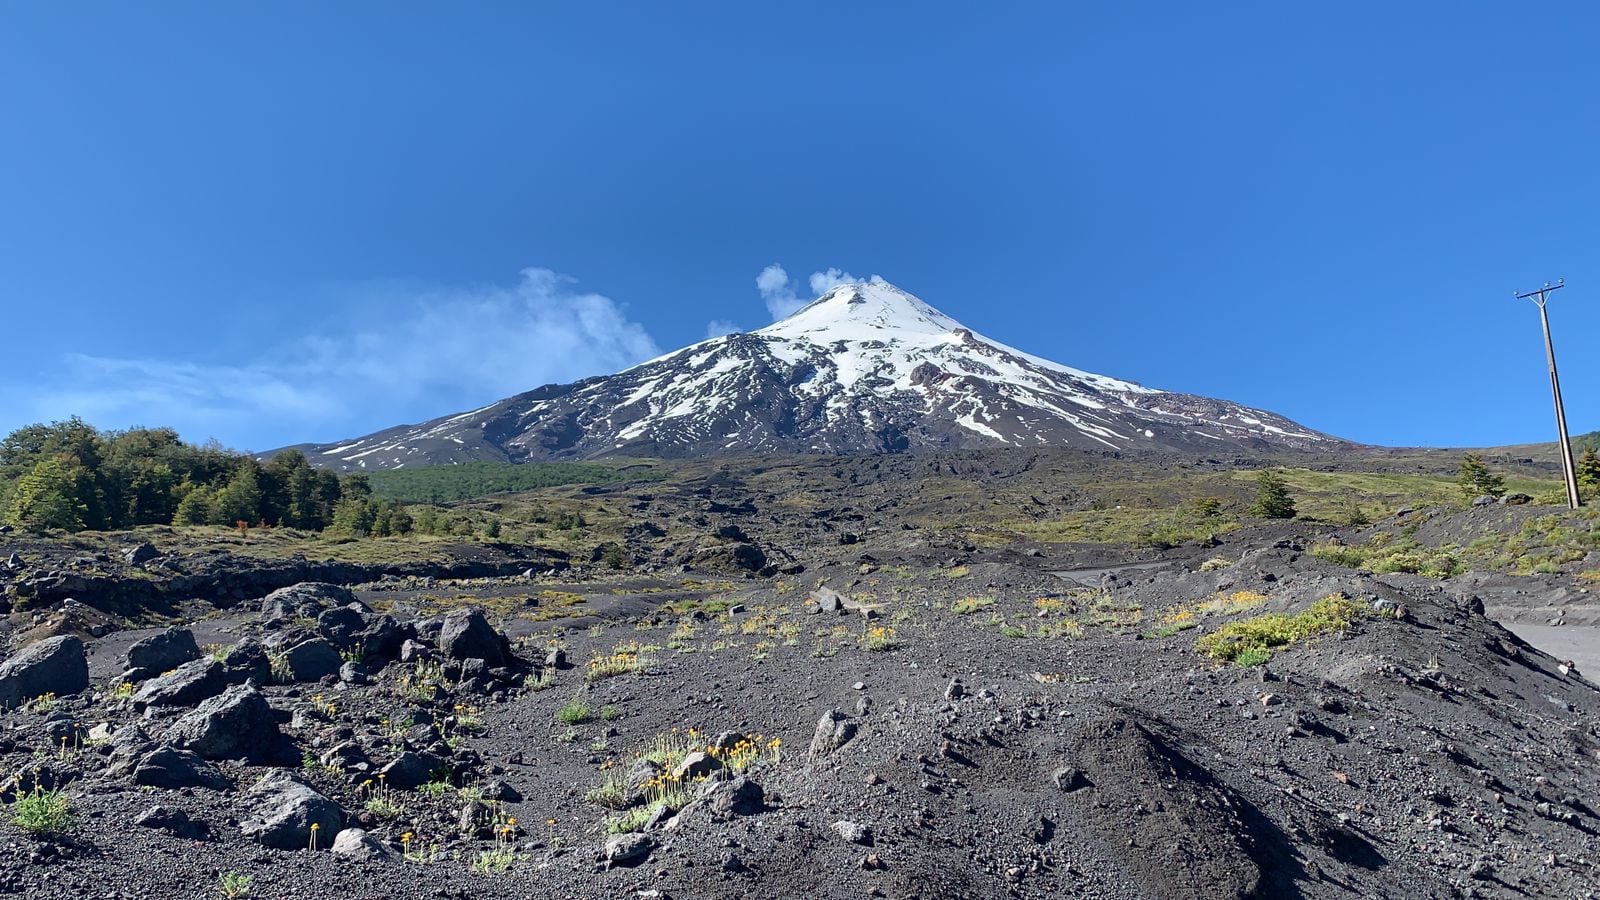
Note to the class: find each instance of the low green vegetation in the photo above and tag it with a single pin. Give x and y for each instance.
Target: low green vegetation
(575, 712)
(1545, 545)
(440, 484)
(233, 885)
(42, 812)
(1251, 642)
(1383, 553)
(1141, 527)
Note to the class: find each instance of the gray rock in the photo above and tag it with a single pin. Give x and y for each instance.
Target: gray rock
(695, 766)
(247, 661)
(311, 660)
(52, 666)
(853, 832)
(355, 843)
(466, 634)
(628, 849)
(302, 601)
(172, 820)
(353, 673)
(235, 724)
(411, 770)
(283, 812)
(347, 757)
(139, 554)
(168, 767)
(738, 796)
(1068, 779)
(188, 684)
(413, 651)
(165, 651)
(500, 791)
(833, 731)
(824, 599)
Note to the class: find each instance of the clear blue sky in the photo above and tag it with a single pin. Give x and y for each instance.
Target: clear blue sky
(280, 222)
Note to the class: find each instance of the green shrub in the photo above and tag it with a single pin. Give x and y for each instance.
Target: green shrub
(576, 712)
(1251, 641)
(42, 812)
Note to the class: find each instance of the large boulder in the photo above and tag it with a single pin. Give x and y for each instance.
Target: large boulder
(52, 666)
(188, 684)
(169, 767)
(466, 634)
(353, 628)
(247, 661)
(311, 660)
(165, 651)
(284, 810)
(236, 724)
(305, 600)
(411, 770)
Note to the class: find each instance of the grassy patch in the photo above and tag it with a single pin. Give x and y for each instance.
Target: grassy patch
(1251, 641)
(435, 484)
(42, 812)
(1141, 527)
(624, 658)
(968, 605)
(575, 712)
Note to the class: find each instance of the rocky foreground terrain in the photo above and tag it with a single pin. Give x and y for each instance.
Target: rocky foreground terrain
(851, 704)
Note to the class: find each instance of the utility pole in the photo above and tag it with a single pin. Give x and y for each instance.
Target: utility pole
(1539, 298)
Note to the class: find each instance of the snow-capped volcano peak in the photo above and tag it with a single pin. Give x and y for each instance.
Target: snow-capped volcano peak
(866, 367)
(869, 310)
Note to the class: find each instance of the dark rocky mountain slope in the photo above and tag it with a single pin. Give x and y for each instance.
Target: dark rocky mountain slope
(866, 368)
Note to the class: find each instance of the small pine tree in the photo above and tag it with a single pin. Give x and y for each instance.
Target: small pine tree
(1588, 471)
(1476, 479)
(1272, 497)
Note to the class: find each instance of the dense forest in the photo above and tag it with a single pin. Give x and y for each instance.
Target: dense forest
(72, 476)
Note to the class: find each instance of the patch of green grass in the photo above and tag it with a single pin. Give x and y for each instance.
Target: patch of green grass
(575, 712)
(1383, 554)
(968, 605)
(42, 812)
(1251, 641)
(434, 484)
(1159, 527)
(958, 572)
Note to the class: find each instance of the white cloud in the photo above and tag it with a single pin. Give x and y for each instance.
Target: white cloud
(828, 279)
(718, 327)
(431, 354)
(781, 294)
(778, 292)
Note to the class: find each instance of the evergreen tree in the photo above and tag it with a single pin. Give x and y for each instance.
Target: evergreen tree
(52, 495)
(1588, 470)
(1476, 480)
(197, 507)
(240, 500)
(1272, 497)
(353, 516)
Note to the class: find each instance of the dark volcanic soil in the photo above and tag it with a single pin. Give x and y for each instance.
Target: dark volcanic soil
(989, 728)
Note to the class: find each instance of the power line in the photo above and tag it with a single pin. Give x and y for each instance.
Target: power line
(1540, 297)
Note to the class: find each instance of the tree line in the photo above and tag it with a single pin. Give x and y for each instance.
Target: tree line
(72, 476)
